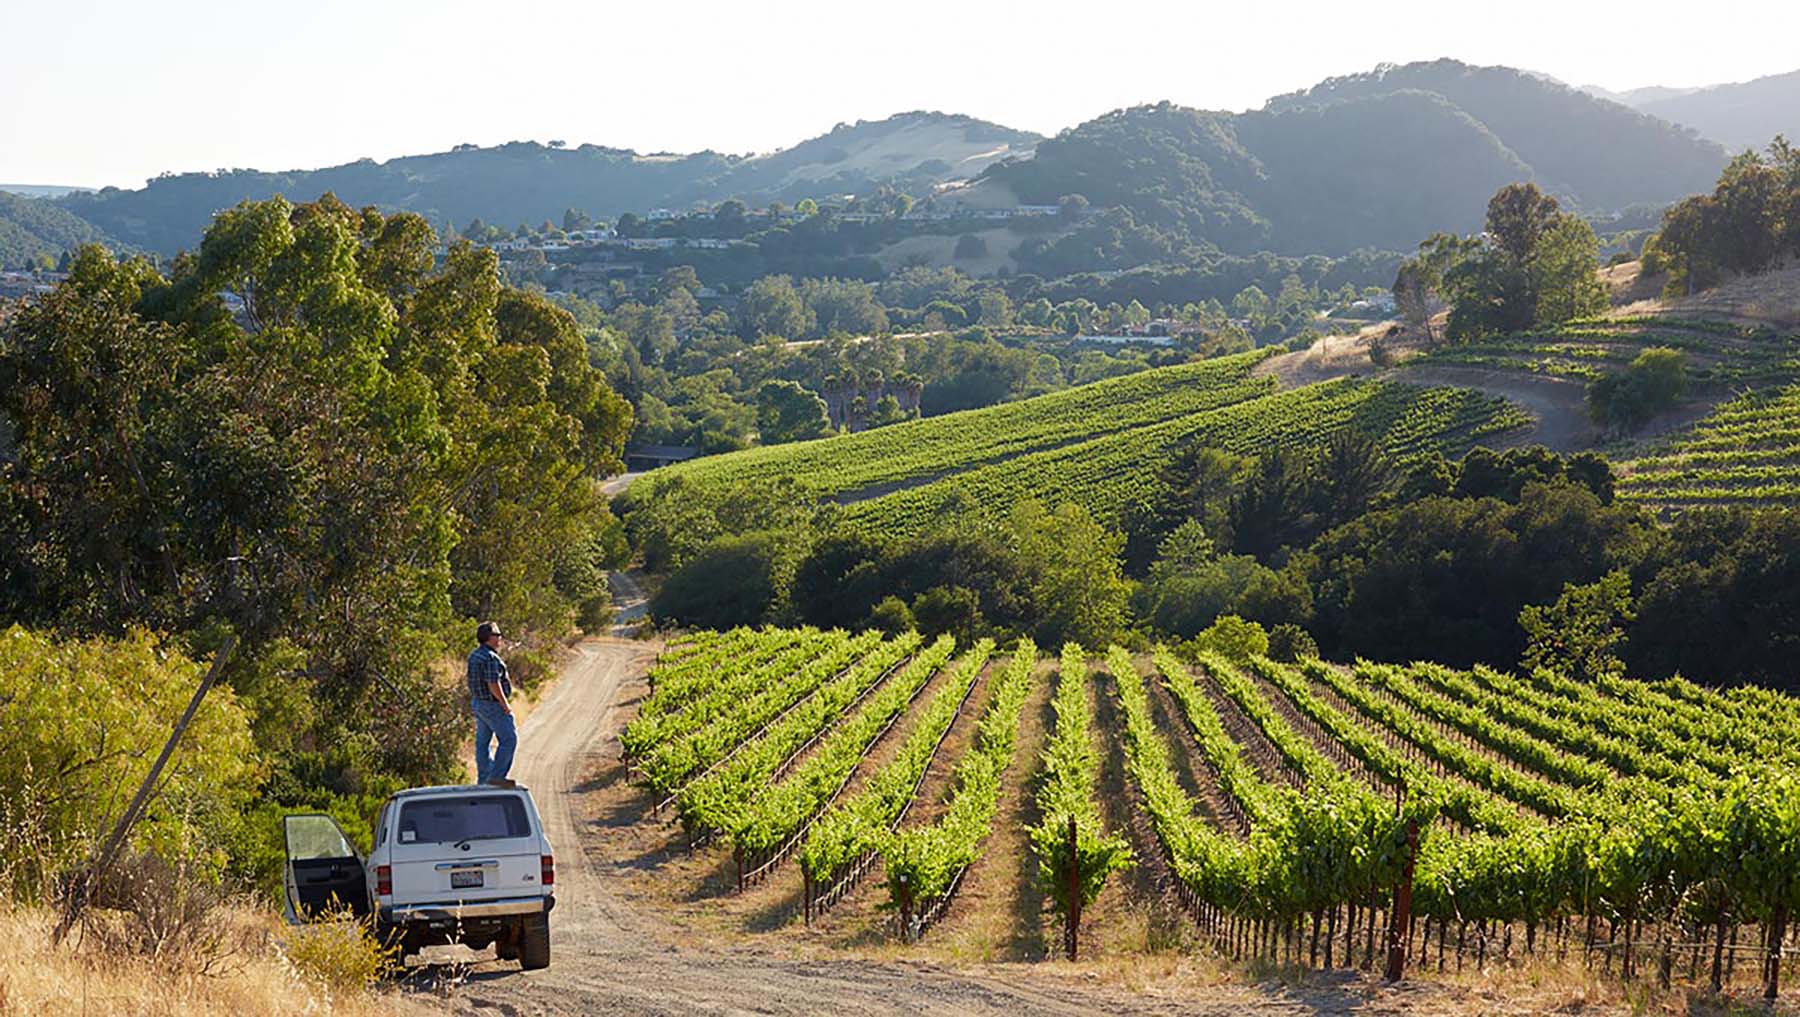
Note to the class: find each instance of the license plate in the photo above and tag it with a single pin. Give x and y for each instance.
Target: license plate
(465, 880)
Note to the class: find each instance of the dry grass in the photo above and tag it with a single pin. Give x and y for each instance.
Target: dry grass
(244, 973)
(939, 251)
(1772, 298)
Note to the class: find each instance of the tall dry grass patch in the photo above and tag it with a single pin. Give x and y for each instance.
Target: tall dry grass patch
(244, 971)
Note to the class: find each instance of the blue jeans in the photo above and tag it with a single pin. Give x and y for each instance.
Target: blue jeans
(493, 723)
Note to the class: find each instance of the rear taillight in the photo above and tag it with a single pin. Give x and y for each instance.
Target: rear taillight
(384, 880)
(549, 877)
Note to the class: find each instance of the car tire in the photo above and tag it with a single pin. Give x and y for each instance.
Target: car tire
(534, 943)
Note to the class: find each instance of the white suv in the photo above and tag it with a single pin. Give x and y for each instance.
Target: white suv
(464, 865)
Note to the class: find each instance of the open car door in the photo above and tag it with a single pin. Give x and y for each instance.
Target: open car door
(324, 872)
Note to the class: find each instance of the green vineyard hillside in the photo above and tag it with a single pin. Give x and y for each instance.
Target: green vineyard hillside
(1717, 353)
(1099, 445)
(1747, 451)
(1286, 802)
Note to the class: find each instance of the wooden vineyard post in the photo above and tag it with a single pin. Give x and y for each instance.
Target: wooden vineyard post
(1074, 890)
(906, 902)
(1400, 918)
(1772, 973)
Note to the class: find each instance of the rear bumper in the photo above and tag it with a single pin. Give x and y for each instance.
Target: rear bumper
(438, 912)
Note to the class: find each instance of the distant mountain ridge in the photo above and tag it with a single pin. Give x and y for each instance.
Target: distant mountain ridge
(1372, 160)
(40, 190)
(1739, 116)
(528, 182)
(1379, 159)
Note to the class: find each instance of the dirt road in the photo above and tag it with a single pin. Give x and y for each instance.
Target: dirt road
(609, 958)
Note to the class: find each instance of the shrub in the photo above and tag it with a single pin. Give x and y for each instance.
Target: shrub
(1655, 381)
(733, 581)
(147, 906)
(891, 616)
(1291, 644)
(1230, 637)
(339, 952)
(595, 615)
(952, 609)
(82, 720)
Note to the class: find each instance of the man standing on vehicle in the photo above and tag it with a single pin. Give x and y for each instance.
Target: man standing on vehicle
(489, 691)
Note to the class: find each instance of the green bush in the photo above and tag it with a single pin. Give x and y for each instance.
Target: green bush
(1291, 644)
(892, 616)
(1230, 637)
(1655, 381)
(83, 719)
(733, 581)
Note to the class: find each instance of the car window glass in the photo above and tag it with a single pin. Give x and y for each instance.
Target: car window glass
(467, 817)
(315, 837)
(381, 826)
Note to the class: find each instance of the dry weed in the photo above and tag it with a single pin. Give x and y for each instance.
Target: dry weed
(93, 977)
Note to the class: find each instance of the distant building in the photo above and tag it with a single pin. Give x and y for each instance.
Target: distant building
(649, 457)
(1167, 327)
(661, 215)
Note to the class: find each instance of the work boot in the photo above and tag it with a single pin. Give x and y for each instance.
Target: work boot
(501, 782)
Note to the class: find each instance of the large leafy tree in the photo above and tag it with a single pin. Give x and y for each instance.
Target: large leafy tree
(787, 412)
(309, 434)
(1535, 265)
(1746, 225)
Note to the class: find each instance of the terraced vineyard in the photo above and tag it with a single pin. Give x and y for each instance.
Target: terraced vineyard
(1718, 353)
(935, 445)
(1099, 444)
(1747, 451)
(1635, 827)
(1107, 474)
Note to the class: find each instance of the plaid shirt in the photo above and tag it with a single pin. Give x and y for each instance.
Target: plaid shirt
(486, 666)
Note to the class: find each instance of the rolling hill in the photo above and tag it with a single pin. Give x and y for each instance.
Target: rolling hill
(1738, 116)
(1370, 160)
(1100, 445)
(528, 182)
(1374, 160)
(32, 228)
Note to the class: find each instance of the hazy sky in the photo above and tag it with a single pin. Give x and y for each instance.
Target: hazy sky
(96, 92)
